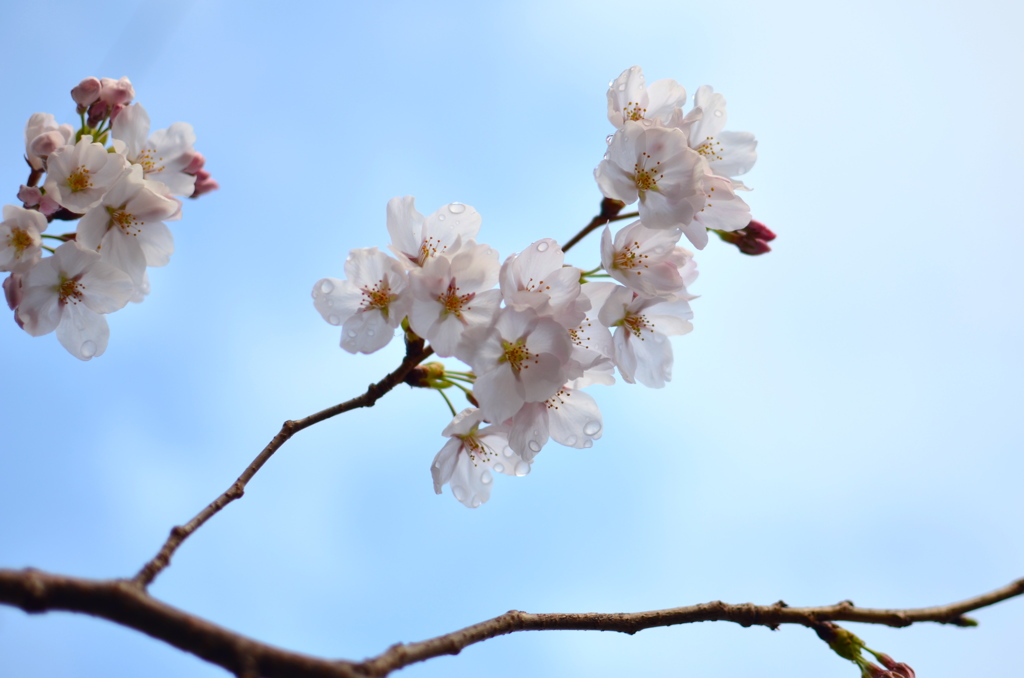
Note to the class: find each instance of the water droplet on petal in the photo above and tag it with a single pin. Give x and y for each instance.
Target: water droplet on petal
(587, 444)
(592, 427)
(646, 123)
(508, 451)
(541, 247)
(522, 468)
(718, 114)
(456, 208)
(500, 468)
(370, 333)
(326, 287)
(88, 349)
(335, 320)
(475, 503)
(330, 302)
(458, 493)
(622, 87)
(486, 478)
(608, 139)
(534, 446)
(352, 334)
(605, 156)
(440, 217)
(571, 440)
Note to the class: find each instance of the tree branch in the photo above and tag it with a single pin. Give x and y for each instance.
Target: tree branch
(415, 353)
(126, 603)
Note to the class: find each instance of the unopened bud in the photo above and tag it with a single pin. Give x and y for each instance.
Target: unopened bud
(97, 113)
(760, 231)
(116, 92)
(204, 184)
(46, 143)
(30, 195)
(425, 376)
(86, 92)
(896, 669)
(48, 206)
(195, 164)
(12, 292)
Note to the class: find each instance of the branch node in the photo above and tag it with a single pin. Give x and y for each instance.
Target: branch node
(178, 532)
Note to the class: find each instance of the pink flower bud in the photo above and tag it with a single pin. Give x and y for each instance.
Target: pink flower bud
(114, 92)
(48, 206)
(115, 109)
(12, 292)
(204, 184)
(46, 143)
(759, 231)
(97, 113)
(195, 164)
(897, 669)
(30, 195)
(86, 92)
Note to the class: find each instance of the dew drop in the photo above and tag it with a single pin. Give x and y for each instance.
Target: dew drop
(500, 468)
(605, 156)
(608, 139)
(622, 87)
(330, 302)
(440, 217)
(587, 444)
(592, 427)
(542, 246)
(370, 333)
(456, 208)
(352, 334)
(646, 123)
(571, 441)
(486, 478)
(508, 451)
(88, 349)
(522, 468)
(476, 502)
(718, 114)
(326, 287)
(534, 446)
(458, 494)
(610, 83)
(335, 320)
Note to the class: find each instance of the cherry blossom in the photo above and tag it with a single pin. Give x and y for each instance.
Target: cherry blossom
(645, 259)
(127, 226)
(415, 238)
(537, 279)
(656, 165)
(728, 154)
(453, 294)
(630, 99)
(642, 327)
(369, 305)
(523, 357)
(571, 417)
(19, 237)
(79, 175)
(467, 460)
(164, 156)
(69, 292)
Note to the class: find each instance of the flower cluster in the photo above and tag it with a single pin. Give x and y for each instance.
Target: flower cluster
(533, 330)
(121, 183)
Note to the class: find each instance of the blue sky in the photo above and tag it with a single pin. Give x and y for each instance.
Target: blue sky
(843, 421)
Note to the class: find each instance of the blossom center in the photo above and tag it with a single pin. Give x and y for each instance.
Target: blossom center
(452, 302)
(558, 399)
(125, 220)
(78, 180)
(150, 163)
(477, 451)
(430, 247)
(710, 149)
(377, 297)
(70, 291)
(516, 354)
(637, 324)
(633, 111)
(647, 179)
(630, 257)
(19, 240)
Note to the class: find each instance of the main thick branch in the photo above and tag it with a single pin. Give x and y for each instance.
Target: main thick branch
(125, 602)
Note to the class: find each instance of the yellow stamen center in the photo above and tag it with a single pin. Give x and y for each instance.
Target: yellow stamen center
(78, 180)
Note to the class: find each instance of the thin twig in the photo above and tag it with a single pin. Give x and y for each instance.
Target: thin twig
(609, 209)
(414, 355)
(125, 603)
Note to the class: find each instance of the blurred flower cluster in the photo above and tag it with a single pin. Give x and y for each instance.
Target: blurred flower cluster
(534, 331)
(121, 183)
